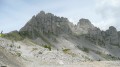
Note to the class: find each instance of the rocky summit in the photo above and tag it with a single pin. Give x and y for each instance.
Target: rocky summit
(47, 39)
(46, 23)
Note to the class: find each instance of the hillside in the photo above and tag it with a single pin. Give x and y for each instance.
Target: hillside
(50, 39)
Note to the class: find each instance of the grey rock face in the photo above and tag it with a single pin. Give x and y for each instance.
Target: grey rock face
(83, 26)
(96, 35)
(46, 23)
(119, 37)
(112, 36)
(108, 37)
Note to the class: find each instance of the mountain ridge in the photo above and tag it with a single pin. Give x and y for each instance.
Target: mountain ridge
(48, 23)
(50, 39)
(48, 26)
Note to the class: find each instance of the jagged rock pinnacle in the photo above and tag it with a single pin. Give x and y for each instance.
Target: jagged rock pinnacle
(46, 23)
(85, 23)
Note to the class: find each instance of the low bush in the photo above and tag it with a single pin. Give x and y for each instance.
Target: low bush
(18, 54)
(34, 49)
(85, 49)
(66, 50)
(1, 35)
(47, 46)
(13, 36)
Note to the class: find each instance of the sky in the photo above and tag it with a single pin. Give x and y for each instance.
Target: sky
(14, 14)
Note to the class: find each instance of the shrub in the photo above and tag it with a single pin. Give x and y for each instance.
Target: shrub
(66, 50)
(11, 45)
(85, 49)
(47, 46)
(18, 47)
(18, 54)
(1, 35)
(13, 36)
(34, 49)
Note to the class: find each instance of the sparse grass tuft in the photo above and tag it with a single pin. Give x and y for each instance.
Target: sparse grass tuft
(34, 49)
(18, 54)
(47, 46)
(19, 47)
(2, 35)
(85, 49)
(13, 36)
(11, 45)
(66, 50)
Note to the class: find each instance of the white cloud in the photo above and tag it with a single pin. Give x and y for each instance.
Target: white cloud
(109, 10)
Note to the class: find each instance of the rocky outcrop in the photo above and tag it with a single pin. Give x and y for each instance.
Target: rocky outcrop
(83, 26)
(96, 36)
(119, 37)
(108, 37)
(46, 23)
(112, 36)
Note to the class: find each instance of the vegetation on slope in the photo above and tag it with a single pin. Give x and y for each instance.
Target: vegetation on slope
(47, 46)
(14, 35)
